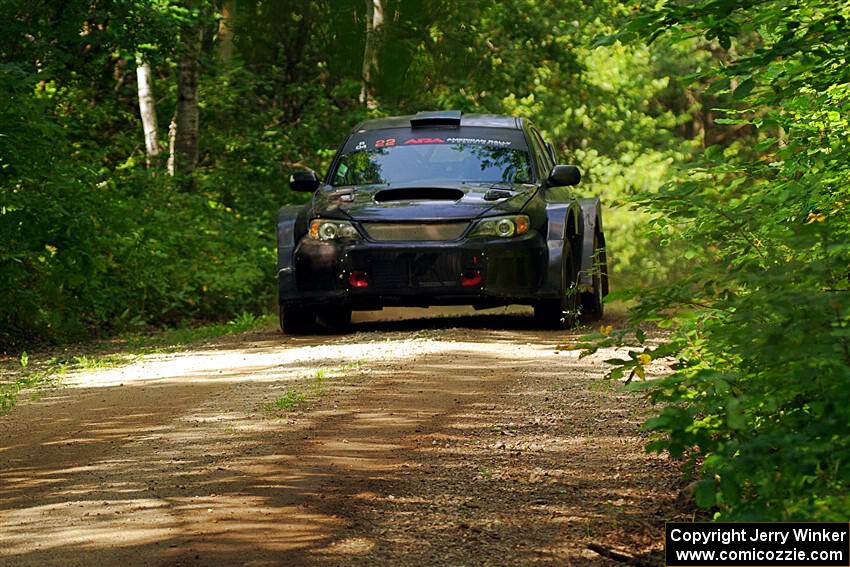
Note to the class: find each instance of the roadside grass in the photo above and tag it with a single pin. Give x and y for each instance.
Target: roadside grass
(315, 384)
(33, 380)
(37, 371)
(170, 340)
(285, 402)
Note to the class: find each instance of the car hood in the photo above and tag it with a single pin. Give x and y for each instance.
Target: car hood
(431, 202)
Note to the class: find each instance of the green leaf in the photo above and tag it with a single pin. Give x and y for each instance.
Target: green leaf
(764, 144)
(605, 40)
(713, 153)
(641, 23)
(705, 493)
(744, 88)
(735, 418)
(730, 489)
(732, 121)
(717, 86)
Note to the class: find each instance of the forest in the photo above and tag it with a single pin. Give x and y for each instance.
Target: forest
(145, 147)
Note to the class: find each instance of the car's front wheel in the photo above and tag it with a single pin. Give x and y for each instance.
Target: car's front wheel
(335, 319)
(560, 313)
(297, 320)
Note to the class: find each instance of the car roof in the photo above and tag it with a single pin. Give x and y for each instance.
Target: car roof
(475, 120)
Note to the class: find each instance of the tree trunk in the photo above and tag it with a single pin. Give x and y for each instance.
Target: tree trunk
(147, 109)
(172, 136)
(225, 30)
(374, 20)
(185, 154)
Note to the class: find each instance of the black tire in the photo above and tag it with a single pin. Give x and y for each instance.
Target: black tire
(297, 320)
(560, 313)
(335, 319)
(592, 308)
(548, 315)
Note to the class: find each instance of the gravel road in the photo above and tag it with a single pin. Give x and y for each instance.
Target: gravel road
(458, 440)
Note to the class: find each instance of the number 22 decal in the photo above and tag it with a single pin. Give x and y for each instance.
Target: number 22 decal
(385, 143)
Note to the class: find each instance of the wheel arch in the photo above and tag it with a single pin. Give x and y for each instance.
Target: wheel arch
(564, 222)
(291, 226)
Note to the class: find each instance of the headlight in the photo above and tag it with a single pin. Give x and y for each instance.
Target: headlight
(331, 230)
(504, 227)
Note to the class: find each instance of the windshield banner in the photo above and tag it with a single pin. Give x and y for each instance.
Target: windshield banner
(379, 139)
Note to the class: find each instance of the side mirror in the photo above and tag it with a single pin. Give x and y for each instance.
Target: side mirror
(306, 181)
(563, 175)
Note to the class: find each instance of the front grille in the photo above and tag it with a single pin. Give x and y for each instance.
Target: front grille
(417, 270)
(415, 232)
(388, 274)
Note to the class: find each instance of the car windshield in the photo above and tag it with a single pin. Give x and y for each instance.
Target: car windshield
(424, 163)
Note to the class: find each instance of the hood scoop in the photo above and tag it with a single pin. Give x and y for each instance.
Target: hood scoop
(418, 194)
(497, 193)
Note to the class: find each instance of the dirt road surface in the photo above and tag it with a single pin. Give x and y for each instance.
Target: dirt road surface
(452, 441)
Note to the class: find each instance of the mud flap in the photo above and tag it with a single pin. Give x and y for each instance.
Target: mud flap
(591, 213)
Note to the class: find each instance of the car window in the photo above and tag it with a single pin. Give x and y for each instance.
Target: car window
(432, 162)
(543, 151)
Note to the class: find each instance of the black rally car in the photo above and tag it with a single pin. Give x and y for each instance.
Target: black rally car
(441, 208)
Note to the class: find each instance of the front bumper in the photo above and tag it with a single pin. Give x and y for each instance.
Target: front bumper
(480, 272)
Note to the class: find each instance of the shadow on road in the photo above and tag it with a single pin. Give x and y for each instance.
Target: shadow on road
(480, 449)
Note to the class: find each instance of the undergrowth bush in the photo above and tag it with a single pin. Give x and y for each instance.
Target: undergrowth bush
(122, 254)
(760, 327)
